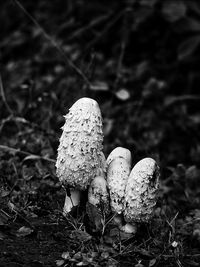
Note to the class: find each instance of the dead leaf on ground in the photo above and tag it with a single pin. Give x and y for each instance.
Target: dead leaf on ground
(81, 236)
(24, 231)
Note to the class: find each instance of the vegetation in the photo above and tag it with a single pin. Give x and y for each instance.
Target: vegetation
(140, 61)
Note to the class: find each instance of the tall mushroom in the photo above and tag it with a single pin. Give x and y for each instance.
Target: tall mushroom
(117, 176)
(118, 170)
(80, 152)
(119, 152)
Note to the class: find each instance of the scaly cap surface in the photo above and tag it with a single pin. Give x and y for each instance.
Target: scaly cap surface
(80, 153)
(119, 152)
(117, 176)
(141, 191)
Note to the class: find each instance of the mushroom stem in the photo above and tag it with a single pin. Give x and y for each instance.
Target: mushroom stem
(71, 201)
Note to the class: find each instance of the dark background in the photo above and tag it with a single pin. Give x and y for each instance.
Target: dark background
(141, 61)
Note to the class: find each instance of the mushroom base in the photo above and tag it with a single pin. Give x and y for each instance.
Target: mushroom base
(71, 201)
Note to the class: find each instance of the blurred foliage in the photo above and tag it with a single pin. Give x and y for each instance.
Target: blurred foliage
(140, 61)
(141, 58)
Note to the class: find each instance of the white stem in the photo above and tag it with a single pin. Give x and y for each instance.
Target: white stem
(71, 201)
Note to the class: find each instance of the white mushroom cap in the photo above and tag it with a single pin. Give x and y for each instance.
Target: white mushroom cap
(141, 191)
(117, 176)
(80, 153)
(119, 152)
(98, 194)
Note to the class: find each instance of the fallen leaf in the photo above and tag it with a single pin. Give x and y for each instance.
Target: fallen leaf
(66, 255)
(122, 94)
(80, 236)
(2, 236)
(174, 10)
(152, 262)
(188, 47)
(31, 157)
(99, 86)
(82, 263)
(60, 262)
(24, 231)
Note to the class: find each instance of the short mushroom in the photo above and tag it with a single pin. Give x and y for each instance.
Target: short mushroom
(141, 191)
(80, 157)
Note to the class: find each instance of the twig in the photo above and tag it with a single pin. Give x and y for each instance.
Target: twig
(22, 120)
(194, 255)
(124, 40)
(54, 44)
(119, 67)
(33, 156)
(93, 23)
(109, 25)
(4, 121)
(4, 97)
(180, 99)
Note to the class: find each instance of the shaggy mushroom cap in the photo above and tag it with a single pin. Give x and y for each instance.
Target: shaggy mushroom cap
(80, 156)
(117, 176)
(141, 191)
(119, 152)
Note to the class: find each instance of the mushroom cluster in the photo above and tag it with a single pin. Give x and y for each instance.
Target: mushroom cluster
(130, 195)
(133, 193)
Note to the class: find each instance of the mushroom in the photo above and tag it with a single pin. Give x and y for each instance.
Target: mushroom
(141, 191)
(80, 157)
(98, 194)
(117, 175)
(119, 152)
